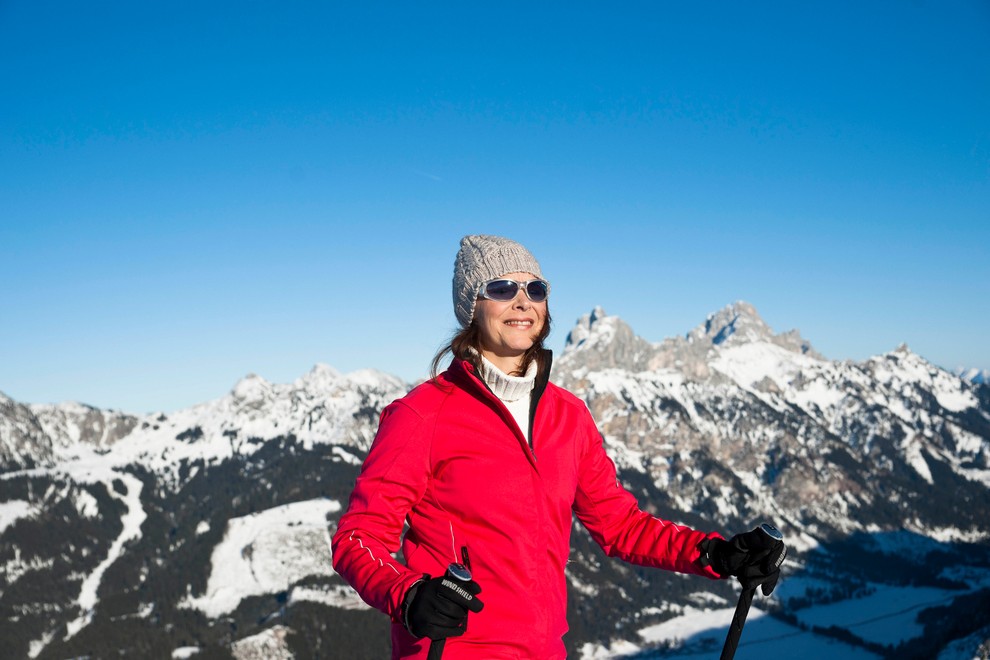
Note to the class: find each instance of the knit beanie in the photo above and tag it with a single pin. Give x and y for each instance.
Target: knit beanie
(482, 258)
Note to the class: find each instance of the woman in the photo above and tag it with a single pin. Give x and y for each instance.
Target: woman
(486, 463)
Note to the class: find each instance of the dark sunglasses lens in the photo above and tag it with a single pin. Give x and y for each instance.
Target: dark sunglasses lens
(501, 290)
(537, 290)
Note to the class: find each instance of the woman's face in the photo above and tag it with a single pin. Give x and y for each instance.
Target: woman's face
(509, 329)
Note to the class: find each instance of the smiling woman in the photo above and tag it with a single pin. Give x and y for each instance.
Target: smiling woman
(511, 320)
(504, 315)
(487, 462)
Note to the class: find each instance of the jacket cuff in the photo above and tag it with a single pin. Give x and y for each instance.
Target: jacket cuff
(704, 559)
(397, 598)
(407, 600)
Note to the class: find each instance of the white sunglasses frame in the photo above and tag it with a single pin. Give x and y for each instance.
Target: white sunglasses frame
(482, 293)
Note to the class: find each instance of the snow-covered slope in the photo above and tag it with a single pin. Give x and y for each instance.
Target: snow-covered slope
(268, 552)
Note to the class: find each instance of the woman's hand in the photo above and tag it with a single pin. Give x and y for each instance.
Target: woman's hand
(438, 607)
(754, 557)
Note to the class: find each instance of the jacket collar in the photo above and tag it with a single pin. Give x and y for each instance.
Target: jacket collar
(462, 370)
(462, 373)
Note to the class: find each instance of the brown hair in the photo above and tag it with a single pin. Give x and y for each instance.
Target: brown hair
(470, 337)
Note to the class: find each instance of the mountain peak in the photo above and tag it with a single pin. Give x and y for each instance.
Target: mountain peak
(587, 326)
(971, 375)
(252, 388)
(740, 323)
(903, 353)
(323, 370)
(739, 320)
(320, 378)
(606, 341)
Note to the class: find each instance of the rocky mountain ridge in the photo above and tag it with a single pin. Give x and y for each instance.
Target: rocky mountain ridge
(774, 417)
(323, 405)
(199, 531)
(40, 434)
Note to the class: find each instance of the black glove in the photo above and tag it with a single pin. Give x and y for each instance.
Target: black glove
(754, 557)
(438, 608)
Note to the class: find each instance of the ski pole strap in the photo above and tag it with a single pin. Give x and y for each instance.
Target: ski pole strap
(738, 621)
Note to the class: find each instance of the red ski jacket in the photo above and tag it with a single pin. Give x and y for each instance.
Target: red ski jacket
(450, 459)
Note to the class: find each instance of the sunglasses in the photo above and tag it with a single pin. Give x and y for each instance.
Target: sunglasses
(503, 290)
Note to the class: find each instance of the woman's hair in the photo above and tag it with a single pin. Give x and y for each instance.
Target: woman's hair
(470, 337)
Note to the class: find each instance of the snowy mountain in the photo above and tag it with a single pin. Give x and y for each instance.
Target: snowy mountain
(43, 434)
(206, 532)
(134, 520)
(884, 460)
(976, 376)
(825, 444)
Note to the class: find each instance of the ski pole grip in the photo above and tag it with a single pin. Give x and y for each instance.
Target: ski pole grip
(461, 573)
(771, 531)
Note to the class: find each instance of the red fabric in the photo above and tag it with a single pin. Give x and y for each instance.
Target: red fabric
(452, 461)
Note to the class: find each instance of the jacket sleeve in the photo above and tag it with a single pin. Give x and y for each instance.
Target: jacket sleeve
(613, 517)
(393, 479)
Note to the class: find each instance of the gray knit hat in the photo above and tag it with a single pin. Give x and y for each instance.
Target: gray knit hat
(482, 258)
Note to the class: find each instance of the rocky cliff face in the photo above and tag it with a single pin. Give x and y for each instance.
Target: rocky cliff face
(41, 434)
(740, 422)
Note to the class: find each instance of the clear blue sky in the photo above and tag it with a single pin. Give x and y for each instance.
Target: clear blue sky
(190, 192)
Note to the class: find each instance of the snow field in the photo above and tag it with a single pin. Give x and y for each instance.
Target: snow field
(11, 511)
(131, 520)
(886, 616)
(267, 552)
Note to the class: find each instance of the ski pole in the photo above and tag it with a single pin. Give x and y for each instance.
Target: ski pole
(738, 621)
(461, 573)
(742, 607)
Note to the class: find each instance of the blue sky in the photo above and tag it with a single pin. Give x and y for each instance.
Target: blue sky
(190, 192)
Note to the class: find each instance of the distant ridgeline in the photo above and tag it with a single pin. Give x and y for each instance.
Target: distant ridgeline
(206, 532)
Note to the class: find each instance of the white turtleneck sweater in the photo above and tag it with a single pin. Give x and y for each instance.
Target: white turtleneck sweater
(514, 391)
